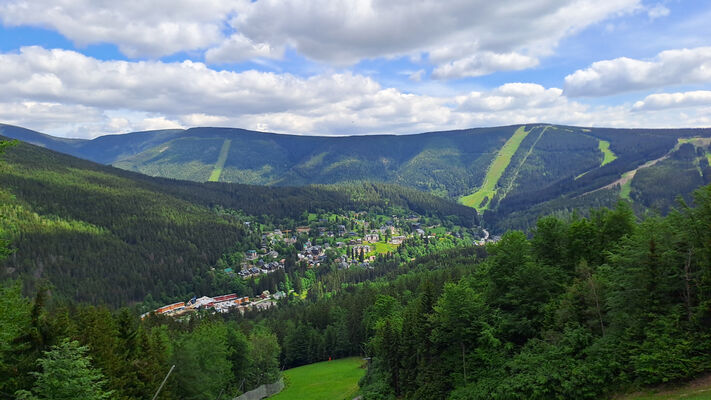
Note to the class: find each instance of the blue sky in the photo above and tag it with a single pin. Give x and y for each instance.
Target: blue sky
(85, 68)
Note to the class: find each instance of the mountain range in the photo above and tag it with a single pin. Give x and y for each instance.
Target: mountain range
(511, 174)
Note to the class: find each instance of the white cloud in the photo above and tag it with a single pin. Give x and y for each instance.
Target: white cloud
(239, 48)
(671, 67)
(345, 31)
(481, 36)
(64, 92)
(663, 101)
(138, 27)
(483, 63)
(513, 96)
(417, 75)
(658, 11)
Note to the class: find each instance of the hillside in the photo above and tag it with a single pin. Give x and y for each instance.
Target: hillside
(514, 178)
(104, 235)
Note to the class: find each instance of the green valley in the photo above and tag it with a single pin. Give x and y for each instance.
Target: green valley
(555, 312)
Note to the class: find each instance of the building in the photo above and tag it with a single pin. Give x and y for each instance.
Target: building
(397, 239)
(171, 308)
(371, 237)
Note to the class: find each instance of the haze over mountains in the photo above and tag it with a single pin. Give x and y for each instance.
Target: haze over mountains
(542, 169)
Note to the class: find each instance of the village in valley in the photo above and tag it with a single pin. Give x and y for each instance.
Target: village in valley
(342, 241)
(319, 242)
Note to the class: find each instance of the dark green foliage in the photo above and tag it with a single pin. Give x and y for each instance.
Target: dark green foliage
(103, 235)
(587, 307)
(89, 352)
(551, 171)
(66, 374)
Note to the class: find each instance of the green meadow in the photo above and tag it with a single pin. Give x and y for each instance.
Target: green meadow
(328, 380)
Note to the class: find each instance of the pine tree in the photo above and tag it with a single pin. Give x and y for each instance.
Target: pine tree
(67, 374)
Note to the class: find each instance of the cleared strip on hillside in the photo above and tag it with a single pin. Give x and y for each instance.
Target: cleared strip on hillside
(215, 175)
(608, 155)
(493, 174)
(328, 380)
(516, 170)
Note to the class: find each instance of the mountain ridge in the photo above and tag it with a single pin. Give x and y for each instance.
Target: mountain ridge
(556, 164)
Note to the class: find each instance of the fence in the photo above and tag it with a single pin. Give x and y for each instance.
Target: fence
(263, 391)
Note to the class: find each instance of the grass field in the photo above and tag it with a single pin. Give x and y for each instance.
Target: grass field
(609, 156)
(496, 169)
(215, 175)
(328, 380)
(626, 188)
(383, 248)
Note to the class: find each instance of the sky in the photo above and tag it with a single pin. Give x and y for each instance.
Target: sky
(86, 68)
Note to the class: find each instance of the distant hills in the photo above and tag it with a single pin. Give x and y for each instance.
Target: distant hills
(511, 173)
(104, 235)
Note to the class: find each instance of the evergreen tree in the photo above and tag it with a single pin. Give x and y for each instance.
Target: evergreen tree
(67, 374)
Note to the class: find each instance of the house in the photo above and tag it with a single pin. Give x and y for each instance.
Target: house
(397, 239)
(273, 254)
(420, 232)
(363, 247)
(371, 237)
(303, 229)
(251, 254)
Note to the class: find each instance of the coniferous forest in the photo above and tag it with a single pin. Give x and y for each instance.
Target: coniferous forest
(579, 307)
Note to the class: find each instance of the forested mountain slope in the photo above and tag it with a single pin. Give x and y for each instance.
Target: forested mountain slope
(547, 169)
(105, 235)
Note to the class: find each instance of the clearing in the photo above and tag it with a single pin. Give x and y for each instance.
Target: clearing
(493, 174)
(608, 155)
(328, 380)
(215, 175)
(625, 181)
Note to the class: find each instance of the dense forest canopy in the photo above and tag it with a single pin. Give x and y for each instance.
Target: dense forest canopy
(103, 235)
(583, 306)
(554, 169)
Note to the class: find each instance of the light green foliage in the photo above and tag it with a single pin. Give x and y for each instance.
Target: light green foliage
(328, 380)
(626, 186)
(221, 159)
(496, 169)
(607, 155)
(67, 374)
(202, 360)
(264, 355)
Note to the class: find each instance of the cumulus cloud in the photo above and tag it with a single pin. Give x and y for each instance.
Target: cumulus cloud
(671, 67)
(480, 36)
(513, 96)
(658, 11)
(139, 28)
(662, 101)
(239, 48)
(345, 31)
(64, 92)
(483, 64)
